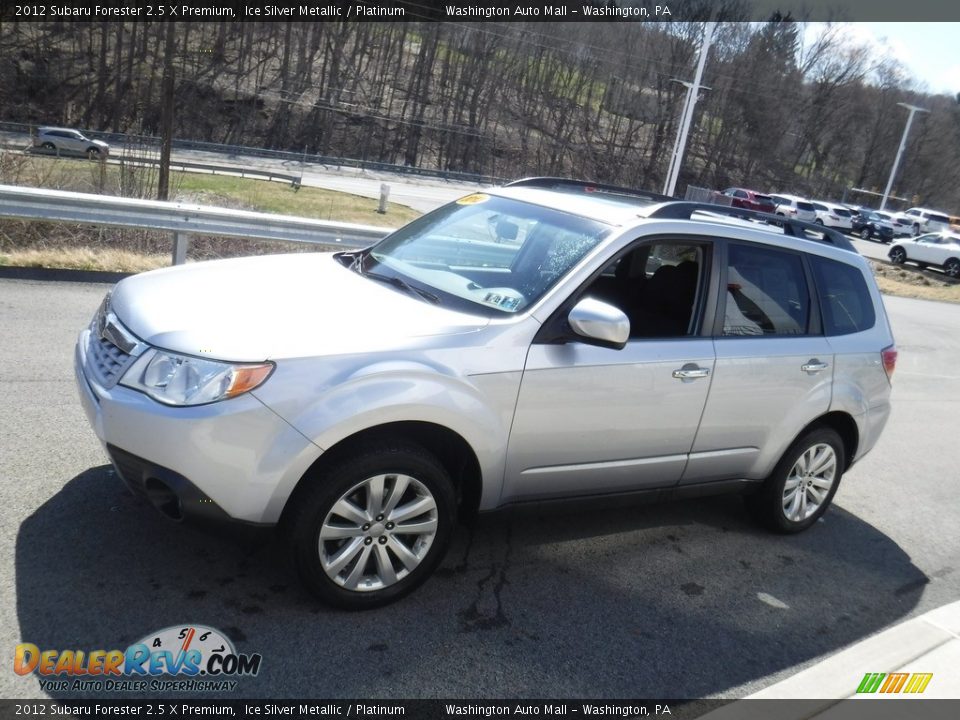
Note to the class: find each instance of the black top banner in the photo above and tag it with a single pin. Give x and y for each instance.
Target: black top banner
(482, 10)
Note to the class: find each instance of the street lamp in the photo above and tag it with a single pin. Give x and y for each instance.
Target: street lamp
(692, 95)
(903, 143)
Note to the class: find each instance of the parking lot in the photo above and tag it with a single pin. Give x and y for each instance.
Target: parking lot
(680, 600)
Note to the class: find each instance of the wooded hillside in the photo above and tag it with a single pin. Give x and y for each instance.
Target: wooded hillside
(591, 100)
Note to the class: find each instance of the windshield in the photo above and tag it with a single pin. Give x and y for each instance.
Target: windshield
(496, 254)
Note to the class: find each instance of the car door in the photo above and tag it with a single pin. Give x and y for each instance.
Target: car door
(593, 419)
(926, 248)
(71, 142)
(774, 368)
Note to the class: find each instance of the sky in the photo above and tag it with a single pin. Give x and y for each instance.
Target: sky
(928, 50)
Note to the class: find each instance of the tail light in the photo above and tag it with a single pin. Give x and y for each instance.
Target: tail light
(889, 357)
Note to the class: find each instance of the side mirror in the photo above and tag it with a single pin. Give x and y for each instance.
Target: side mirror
(599, 323)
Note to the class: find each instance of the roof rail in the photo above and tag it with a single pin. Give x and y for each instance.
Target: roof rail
(554, 183)
(683, 210)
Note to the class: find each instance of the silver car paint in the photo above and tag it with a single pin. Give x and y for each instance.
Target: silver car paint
(237, 452)
(352, 354)
(592, 419)
(277, 307)
(759, 401)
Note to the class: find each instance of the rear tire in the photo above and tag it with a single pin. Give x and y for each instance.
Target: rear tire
(48, 146)
(802, 485)
(373, 526)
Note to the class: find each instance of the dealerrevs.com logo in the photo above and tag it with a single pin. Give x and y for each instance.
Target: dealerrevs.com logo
(203, 658)
(888, 683)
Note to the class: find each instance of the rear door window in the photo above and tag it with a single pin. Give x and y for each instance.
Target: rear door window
(845, 302)
(767, 293)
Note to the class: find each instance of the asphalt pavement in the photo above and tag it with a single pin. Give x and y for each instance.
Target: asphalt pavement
(679, 600)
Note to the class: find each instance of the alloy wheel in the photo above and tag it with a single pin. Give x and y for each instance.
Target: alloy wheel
(809, 482)
(378, 532)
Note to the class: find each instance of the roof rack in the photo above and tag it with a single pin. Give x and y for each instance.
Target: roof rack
(554, 183)
(683, 210)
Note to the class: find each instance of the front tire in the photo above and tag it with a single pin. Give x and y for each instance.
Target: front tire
(373, 526)
(897, 255)
(865, 234)
(952, 268)
(802, 485)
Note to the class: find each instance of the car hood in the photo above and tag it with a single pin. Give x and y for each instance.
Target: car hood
(278, 306)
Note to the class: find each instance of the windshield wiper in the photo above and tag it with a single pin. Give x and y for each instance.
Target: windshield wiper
(395, 281)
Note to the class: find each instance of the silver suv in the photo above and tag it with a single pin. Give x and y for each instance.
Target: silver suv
(67, 141)
(548, 339)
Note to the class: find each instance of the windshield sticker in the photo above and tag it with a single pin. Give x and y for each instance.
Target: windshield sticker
(474, 199)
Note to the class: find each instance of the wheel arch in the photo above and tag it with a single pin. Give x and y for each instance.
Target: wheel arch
(845, 426)
(456, 455)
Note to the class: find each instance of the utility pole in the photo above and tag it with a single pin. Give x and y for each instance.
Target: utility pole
(166, 115)
(693, 92)
(903, 144)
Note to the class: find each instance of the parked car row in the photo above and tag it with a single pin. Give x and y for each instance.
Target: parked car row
(863, 221)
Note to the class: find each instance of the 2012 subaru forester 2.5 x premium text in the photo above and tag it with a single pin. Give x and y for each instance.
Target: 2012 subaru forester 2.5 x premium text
(547, 339)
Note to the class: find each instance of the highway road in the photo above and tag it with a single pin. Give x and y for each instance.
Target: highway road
(686, 599)
(420, 193)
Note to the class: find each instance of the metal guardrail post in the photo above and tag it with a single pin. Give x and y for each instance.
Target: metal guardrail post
(181, 241)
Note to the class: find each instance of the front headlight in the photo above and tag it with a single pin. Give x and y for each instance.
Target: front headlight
(183, 380)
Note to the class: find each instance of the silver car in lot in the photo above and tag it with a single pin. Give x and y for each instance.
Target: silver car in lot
(548, 339)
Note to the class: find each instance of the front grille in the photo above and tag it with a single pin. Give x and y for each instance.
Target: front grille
(106, 361)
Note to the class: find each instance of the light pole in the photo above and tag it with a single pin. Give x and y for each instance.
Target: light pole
(693, 90)
(903, 143)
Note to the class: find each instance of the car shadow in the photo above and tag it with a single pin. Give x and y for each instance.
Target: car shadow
(674, 600)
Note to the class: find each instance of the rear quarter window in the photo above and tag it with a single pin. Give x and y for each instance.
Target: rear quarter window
(845, 302)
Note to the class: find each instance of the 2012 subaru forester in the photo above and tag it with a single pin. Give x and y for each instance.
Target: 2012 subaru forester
(547, 339)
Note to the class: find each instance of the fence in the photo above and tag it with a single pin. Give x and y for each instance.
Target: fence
(714, 197)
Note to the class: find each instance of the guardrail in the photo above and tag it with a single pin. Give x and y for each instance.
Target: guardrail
(140, 161)
(284, 155)
(180, 219)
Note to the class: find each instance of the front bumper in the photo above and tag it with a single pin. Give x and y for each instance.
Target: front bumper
(232, 460)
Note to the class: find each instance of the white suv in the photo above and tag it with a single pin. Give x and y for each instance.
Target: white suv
(549, 339)
(793, 206)
(832, 215)
(923, 220)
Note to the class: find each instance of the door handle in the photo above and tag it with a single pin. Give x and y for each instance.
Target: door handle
(691, 372)
(814, 366)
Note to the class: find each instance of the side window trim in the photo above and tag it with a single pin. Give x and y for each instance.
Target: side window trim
(821, 298)
(814, 319)
(704, 305)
